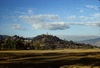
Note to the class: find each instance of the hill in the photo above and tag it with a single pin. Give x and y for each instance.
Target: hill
(53, 42)
(95, 41)
(40, 42)
(3, 36)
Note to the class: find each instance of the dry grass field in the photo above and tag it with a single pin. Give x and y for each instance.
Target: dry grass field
(67, 58)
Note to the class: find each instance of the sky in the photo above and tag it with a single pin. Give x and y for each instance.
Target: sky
(68, 19)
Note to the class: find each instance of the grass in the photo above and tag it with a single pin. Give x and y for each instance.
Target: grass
(67, 58)
(48, 51)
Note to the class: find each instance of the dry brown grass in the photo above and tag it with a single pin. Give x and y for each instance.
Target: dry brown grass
(67, 58)
(48, 51)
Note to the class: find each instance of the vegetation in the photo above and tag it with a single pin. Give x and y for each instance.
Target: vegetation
(39, 52)
(40, 42)
(67, 58)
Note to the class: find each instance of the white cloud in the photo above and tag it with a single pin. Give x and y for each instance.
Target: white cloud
(46, 16)
(92, 7)
(30, 11)
(72, 17)
(81, 11)
(27, 11)
(95, 23)
(91, 24)
(17, 27)
(91, 17)
(19, 12)
(84, 18)
(96, 15)
(51, 26)
(39, 18)
(51, 21)
(45, 21)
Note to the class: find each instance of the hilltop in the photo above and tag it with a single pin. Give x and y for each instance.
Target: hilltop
(46, 41)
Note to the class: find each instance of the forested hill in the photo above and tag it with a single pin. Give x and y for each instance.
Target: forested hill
(53, 42)
(3, 36)
(40, 42)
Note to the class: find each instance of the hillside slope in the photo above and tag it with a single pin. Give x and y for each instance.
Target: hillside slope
(53, 42)
(95, 41)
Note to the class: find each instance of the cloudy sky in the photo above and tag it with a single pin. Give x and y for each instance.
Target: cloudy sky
(63, 18)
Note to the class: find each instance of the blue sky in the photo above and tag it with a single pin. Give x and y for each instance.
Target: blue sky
(63, 18)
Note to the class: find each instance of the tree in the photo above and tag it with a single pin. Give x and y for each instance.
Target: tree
(37, 45)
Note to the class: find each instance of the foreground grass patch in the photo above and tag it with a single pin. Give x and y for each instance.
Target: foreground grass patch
(49, 58)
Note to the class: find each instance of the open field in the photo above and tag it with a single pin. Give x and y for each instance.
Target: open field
(67, 58)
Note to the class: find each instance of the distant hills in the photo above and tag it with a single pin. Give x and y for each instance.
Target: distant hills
(95, 41)
(40, 42)
(3, 36)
